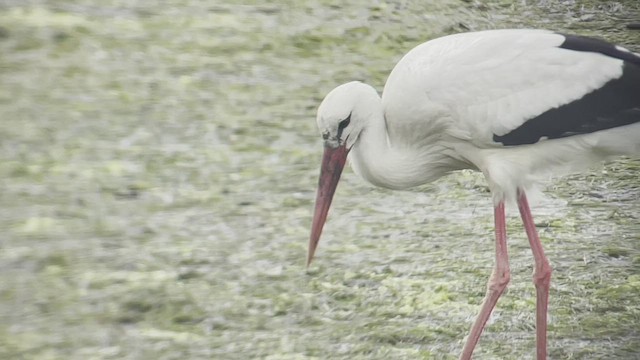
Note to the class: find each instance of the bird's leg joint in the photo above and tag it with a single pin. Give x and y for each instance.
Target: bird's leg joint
(499, 279)
(542, 274)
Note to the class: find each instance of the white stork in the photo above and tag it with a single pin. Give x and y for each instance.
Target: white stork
(518, 105)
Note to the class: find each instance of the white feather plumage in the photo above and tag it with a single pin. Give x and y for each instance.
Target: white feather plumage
(446, 98)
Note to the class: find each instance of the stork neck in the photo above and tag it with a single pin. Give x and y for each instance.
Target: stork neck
(399, 160)
(375, 158)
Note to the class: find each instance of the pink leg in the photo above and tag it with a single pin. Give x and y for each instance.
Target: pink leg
(541, 276)
(497, 283)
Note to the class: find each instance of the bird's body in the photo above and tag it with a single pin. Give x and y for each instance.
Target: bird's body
(518, 105)
(447, 99)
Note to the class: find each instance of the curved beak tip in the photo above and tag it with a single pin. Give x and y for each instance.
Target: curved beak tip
(312, 250)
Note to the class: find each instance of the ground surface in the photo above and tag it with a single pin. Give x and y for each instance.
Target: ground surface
(158, 163)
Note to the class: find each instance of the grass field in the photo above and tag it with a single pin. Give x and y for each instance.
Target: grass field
(158, 164)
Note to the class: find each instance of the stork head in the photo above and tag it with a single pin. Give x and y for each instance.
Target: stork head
(341, 118)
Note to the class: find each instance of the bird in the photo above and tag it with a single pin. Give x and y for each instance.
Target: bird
(518, 105)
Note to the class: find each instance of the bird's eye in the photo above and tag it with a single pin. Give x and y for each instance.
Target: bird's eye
(344, 123)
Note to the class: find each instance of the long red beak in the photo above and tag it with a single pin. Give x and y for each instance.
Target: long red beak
(333, 162)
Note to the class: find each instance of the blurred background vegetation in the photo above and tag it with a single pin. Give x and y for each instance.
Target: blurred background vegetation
(158, 164)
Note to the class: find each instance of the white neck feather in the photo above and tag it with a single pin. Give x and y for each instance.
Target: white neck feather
(389, 162)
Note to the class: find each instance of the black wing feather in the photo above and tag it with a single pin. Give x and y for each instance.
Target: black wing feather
(615, 104)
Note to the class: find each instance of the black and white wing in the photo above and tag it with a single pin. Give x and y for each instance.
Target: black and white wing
(515, 87)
